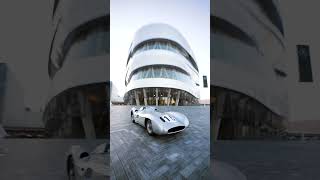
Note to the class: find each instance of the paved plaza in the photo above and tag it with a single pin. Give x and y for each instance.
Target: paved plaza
(276, 160)
(37, 159)
(136, 155)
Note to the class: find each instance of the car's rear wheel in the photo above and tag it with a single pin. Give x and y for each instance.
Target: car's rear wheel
(70, 169)
(149, 127)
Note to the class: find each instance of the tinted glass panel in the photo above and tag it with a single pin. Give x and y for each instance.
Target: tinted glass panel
(91, 44)
(164, 45)
(225, 27)
(160, 72)
(205, 81)
(305, 69)
(271, 11)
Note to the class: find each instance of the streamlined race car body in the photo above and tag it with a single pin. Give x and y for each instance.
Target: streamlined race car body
(159, 123)
(94, 165)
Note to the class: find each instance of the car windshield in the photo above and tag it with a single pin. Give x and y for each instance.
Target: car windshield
(142, 108)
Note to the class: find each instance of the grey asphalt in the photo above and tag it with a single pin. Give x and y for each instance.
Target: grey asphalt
(37, 159)
(271, 160)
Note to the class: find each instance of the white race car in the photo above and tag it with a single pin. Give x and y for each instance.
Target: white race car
(157, 122)
(84, 165)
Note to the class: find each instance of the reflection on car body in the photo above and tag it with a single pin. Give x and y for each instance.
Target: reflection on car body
(157, 122)
(94, 165)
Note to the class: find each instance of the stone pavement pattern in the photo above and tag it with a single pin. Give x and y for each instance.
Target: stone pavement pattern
(224, 171)
(275, 160)
(136, 155)
(37, 159)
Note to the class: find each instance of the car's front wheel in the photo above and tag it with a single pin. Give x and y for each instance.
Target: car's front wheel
(132, 118)
(149, 127)
(70, 169)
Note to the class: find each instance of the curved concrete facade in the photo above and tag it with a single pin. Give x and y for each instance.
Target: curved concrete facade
(77, 67)
(69, 25)
(248, 54)
(161, 69)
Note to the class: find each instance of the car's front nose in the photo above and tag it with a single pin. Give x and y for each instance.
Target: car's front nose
(173, 127)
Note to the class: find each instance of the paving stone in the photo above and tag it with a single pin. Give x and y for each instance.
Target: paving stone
(187, 171)
(276, 160)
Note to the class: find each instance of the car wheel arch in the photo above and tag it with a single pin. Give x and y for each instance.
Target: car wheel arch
(145, 121)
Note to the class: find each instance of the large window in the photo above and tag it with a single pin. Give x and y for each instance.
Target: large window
(222, 26)
(164, 45)
(167, 72)
(161, 45)
(305, 69)
(270, 10)
(91, 43)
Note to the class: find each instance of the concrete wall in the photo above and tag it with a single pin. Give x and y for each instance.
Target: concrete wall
(245, 60)
(300, 24)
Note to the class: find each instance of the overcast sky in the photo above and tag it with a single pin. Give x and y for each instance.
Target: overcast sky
(24, 42)
(190, 17)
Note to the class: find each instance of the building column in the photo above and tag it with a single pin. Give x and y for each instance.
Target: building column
(157, 96)
(145, 97)
(136, 97)
(69, 118)
(178, 98)
(169, 97)
(189, 99)
(131, 99)
(86, 116)
(217, 114)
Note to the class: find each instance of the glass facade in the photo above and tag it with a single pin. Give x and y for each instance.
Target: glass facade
(160, 97)
(91, 43)
(163, 45)
(270, 9)
(167, 72)
(219, 25)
